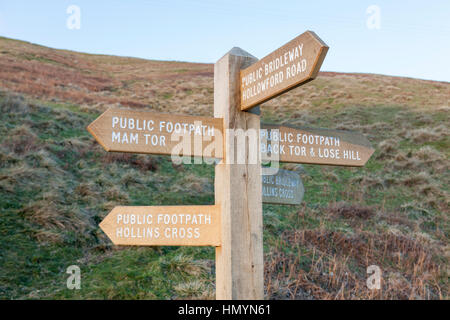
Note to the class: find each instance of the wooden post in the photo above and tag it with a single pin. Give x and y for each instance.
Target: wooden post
(238, 189)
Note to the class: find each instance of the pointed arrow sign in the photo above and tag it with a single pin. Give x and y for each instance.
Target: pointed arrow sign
(163, 226)
(316, 146)
(288, 67)
(135, 131)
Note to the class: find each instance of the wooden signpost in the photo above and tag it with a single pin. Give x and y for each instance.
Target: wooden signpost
(123, 130)
(163, 226)
(316, 146)
(239, 261)
(288, 67)
(284, 187)
(234, 224)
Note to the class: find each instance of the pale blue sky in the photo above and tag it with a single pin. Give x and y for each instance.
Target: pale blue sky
(413, 39)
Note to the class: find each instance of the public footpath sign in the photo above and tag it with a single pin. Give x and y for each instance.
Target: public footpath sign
(288, 67)
(313, 145)
(234, 224)
(284, 187)
(123, 130)
(163, 225)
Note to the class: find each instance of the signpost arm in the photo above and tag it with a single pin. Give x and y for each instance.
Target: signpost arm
(238, 189)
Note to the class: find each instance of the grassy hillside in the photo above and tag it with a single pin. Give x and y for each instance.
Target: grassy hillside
(57, 184)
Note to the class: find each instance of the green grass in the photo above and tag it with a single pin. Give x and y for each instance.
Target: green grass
(54, 194)
(36, 269)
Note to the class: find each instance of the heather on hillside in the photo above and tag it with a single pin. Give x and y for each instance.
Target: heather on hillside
(57, 184)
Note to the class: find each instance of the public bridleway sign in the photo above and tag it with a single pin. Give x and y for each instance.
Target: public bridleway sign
(288, 67)
(234, 223)
(284, 187)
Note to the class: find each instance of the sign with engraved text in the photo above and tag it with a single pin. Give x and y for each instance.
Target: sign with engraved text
(284, 187)
(317, 146)
(294, 64)
(234, 225)
(163, 225)
(136, 131)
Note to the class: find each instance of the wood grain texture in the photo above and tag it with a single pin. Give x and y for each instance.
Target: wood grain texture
(314, 145)
(239, 261)
(288, 67)
(137, 131)
(163, 226)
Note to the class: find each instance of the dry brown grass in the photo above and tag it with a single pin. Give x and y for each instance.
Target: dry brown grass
(100, 81)
(428, 134)
(116, 194)
(349, 211)
(142, 162)
(53, 216)
(396, 209)
(413, 271)
(59, 75)
(195, 289)
(21, 140)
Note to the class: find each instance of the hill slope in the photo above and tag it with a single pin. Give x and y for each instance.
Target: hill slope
(57, 183)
